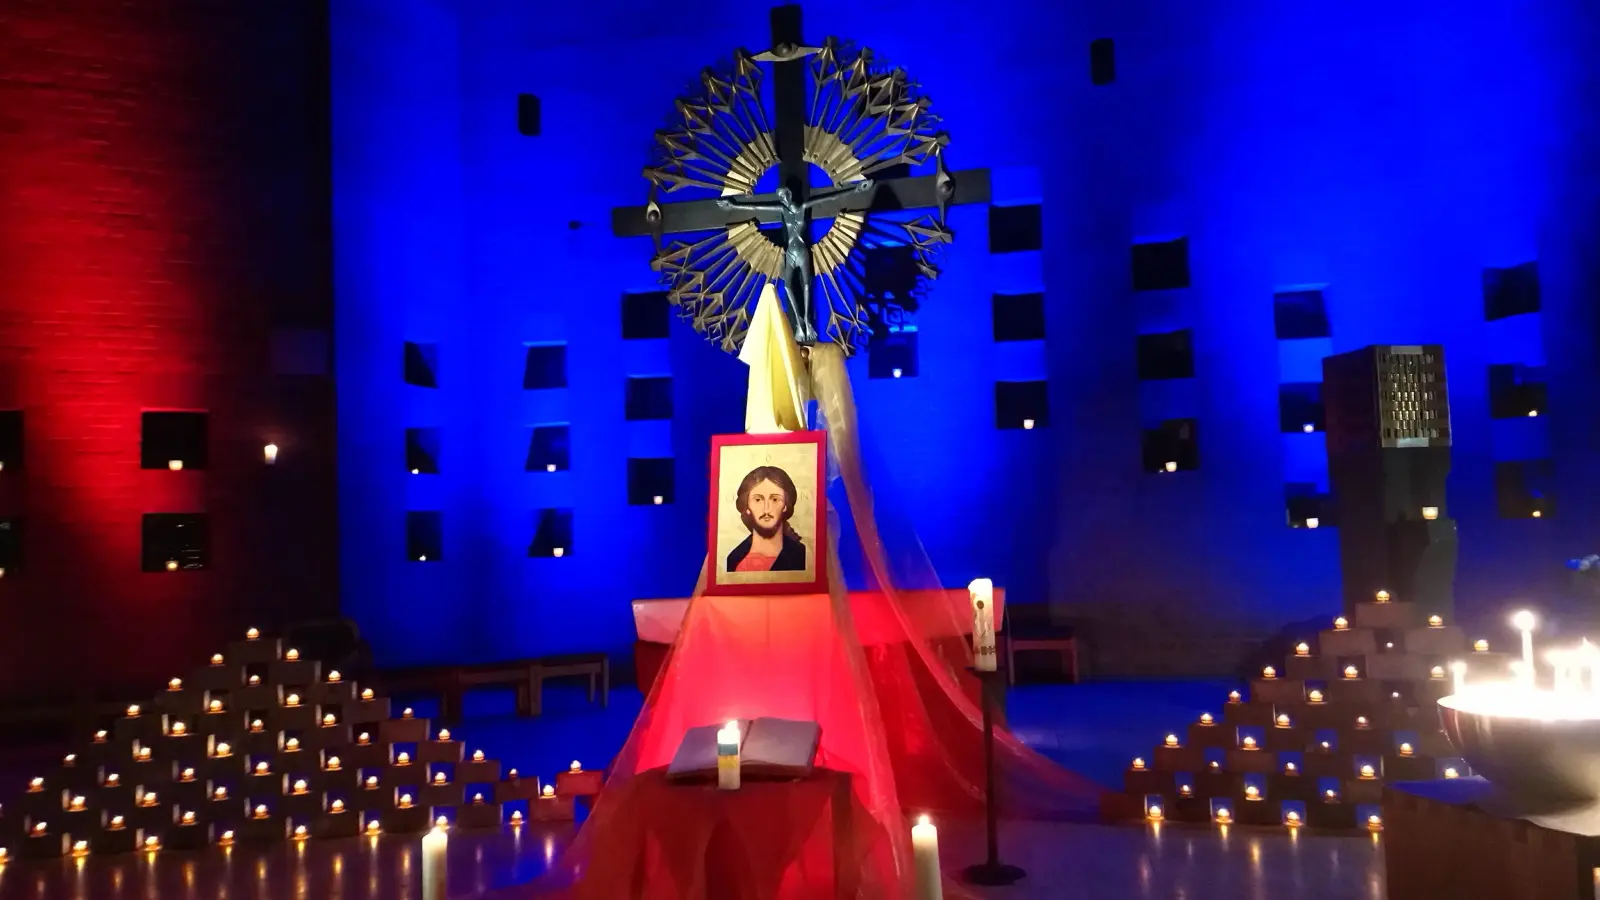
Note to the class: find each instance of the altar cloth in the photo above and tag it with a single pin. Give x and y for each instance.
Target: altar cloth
(657, 621)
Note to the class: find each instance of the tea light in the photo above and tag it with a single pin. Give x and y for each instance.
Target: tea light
(1436, 621)
(1269, 673)
(1169, 465)
(439, 778)
(366, 694)
(1251, 792)
(578, 766)
(1405, 749)
(254, 680)
(1314, 696)
(172, 565)
(187, 818)
(220, 794)
(1224, 816)
(336, 806)
(516, 818)
(149, 799)
(186, 775)
(477, 798)
(179, 729)
(1233, 697)
(214, 706)
(1249, 743)
(291, 654)
(36, 785)
(223, 750)
(292, 700)
(99, 737)
(1154, 812)
(1381, 596)
(513, 775)
(1374, 823)
(1330, 795)
(405, 801)
(372, 782)
(1290, 768)
(403, 759)
(1215, 765)
(477, 756)
(444, 734)
(372, 827)
(291, 745)
(548, 791)
(1451, 772)
(262, 768)
(1341, 623)
(1430, 513)
(1172, 741)
(1436, 672)
(261, 811)
(78, 804)
(1283, 720)
(133, 711)
(1291, 819)
(364, 738)
(406, 713)
(70, 760)
(1480, 646)
(300, 786)
(113, 779)
(1368, 772)
(1352, 672)
(152, 844)
(175, 684)
(1302, 649)
(333, 764)
(41, 828)
(216, 659)
(252, 634)
(143, 755)
(334, 677)
(255, 725)
(79, 848)
(116, 822)
(225, 839)
(1185, 790)
(1361, 721)
(329, 720)
(1138, 762)
(1206, 719)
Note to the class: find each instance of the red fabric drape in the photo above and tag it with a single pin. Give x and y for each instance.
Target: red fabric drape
(900, 728)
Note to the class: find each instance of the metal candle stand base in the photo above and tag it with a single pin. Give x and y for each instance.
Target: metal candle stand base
(992, 871)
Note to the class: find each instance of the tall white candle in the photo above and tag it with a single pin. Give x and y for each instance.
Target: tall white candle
(985, 658)
(1458, 672)
(728, 757)
(925, 860)
(434, 847)
(1523, 621)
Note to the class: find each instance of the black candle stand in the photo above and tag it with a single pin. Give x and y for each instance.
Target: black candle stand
(992, 871)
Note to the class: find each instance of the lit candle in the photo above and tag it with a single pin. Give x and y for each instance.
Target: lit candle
(300, 833)
(1436, 672)
(548, 792)
(516, 818)
(1290, 768)
(1223, 815)
(1352, 672)
(925, 860)
(1382, 596)
(1450, 772)
(225, 839)
(1251, 792)
(477, 798)
(41, 828)
(1154, 812)
(1361, 721)
(175, 465)
(300, 786)
(981, 592)
(113, 779)
(78, 803)
(1185, 790)
(292, 700)
(70, 760)
(223, 749)
(1138, 762)
(186, 775)
(444, 734)
(439, 778)
(366, 694)
(261, 811)
(1172, 740)
(1206, 719)
(727, 757)
(1524, 622)
(575, 767)
(372, 827)
(406, 713)
(1330, 795)
(372, 782)
(1367, 771)
(172, 565)
(214, 706)
(143, 755)
(179, 729)
(1269, 673)
(1436, 621)
(175, 684)
(1169, 465)
(270, 453)
(188, 817)
(254, 680)
(1314, 695)
(1430, 512)
(328, 721)
(1480, 646)
(100, 737)
(1233, 697)
(149, 799)
(252, 635)
(291, 745)
(1341, 623)
(477, 756)
(291, 654)
(1291, 819)
(403, 759)
(334, 677)
(221, 794)
(152, 844)
(405, 801)
(36, 785)
(333, 764)
(1249, 743)
(117, 822)
(434, 854)
(1283, 720)
(1374, 823)
(1302, 649)
(262, 768)
(364, 738)
(336, 806)
(133, 711)
(1405, 749)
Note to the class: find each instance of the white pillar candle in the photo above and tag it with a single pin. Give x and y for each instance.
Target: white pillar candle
(728, 757)
(925, 861)
(434, 847)
(1523, 621)
(1458, 672)
(984, 656)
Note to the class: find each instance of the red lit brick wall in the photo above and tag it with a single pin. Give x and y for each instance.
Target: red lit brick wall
(164, 209)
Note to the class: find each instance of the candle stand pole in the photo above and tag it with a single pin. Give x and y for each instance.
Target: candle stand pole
(991, 871)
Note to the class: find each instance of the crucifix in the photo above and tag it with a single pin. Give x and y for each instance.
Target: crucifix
(867, 124)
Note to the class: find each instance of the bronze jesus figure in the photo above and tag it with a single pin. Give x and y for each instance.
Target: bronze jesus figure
(797, 272)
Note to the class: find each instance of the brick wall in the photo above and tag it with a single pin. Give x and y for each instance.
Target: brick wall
(163, 245)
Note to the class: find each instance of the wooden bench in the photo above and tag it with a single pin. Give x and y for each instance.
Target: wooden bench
(527, 676)
(597, 666)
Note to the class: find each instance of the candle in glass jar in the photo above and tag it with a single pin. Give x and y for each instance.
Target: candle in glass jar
(727, 757)
(929, 883)
(981, 592)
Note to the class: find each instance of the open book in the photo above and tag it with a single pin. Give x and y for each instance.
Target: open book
(770, 749)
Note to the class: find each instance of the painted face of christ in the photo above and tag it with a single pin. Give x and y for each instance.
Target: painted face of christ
(766, 501)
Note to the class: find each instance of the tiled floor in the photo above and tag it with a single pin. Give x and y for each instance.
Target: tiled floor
(1093, 728)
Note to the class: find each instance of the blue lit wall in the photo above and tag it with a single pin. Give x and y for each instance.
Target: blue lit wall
(1390, 154)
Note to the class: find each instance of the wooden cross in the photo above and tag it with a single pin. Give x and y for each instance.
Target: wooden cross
(790, 85)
